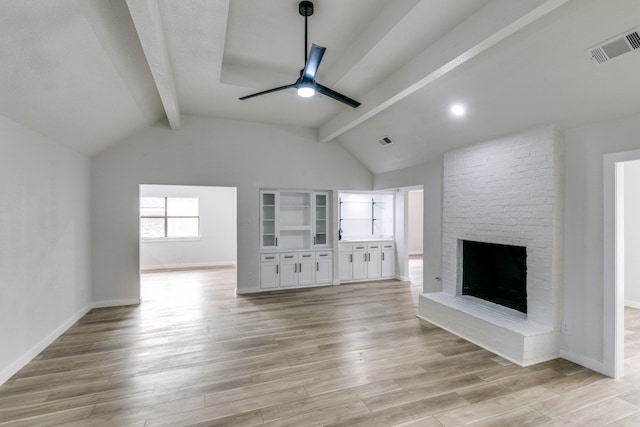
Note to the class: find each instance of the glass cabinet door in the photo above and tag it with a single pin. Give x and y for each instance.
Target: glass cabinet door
(320, 214)
(268, 228)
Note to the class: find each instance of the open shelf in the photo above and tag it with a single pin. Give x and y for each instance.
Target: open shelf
(366, 214)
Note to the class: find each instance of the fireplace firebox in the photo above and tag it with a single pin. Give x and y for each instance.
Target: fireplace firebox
(495, 273)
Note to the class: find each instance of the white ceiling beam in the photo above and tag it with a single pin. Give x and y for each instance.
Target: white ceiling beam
(392, 16)
(495, 22)
(146, 18)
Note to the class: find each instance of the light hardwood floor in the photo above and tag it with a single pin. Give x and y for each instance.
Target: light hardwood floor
(195, 354)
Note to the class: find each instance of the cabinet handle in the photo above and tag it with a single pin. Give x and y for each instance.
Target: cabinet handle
(276, 241)
(314, 240)
(317, 266)
(295, 267)
(350, 257)
(277, 269)
(300, 269)
(383, 256)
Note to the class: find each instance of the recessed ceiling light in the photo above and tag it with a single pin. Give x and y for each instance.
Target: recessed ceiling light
(457, 110)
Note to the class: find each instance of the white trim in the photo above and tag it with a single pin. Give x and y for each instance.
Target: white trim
(170, 239)
(613, 291)
(19, 363)
(579, 359)
(116, 303)
(188, 265)
(246, 291)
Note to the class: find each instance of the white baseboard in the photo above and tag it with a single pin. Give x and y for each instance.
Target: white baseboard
(18, 364)
(252, 290)
(116, 303)
(586, 362)
(632, 304)
(402, 278)
(188, 265)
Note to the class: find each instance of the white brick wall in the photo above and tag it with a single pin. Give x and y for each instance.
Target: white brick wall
(509, 191)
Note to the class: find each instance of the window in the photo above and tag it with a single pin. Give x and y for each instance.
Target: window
(169, 217)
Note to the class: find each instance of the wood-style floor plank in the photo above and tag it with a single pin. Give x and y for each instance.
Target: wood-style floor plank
(195, 354)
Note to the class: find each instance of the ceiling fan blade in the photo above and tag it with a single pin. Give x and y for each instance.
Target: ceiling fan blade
(275, 89)
(313, 62)
(337, 96)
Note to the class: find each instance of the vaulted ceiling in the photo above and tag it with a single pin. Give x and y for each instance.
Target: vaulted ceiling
(88, 73)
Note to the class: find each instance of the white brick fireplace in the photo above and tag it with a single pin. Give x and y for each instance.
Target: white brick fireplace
(507, 191)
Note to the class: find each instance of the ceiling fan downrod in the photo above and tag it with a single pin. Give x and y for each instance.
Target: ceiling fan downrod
(305, 8)
(306, 84)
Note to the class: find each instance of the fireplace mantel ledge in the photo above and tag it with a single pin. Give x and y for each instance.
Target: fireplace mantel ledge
(493, 313)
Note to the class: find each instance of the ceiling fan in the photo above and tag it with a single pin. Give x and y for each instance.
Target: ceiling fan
(306, 83)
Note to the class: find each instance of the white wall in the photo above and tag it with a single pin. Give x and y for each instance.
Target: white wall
(44, 243)
(217, 243)
(414, 221)
(205, 151)
(583, 272)
(632, 233)
(506, 191)
(429, 175)
(400, 235)
(585, 148)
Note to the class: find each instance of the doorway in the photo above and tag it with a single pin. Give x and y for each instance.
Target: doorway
(621, 240)
(187, 228)
(415, 234)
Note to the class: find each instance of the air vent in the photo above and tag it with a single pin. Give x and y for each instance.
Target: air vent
(634, 40)
(615, 46)
(384, 141)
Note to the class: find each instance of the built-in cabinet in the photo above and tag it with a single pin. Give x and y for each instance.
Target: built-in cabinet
(294, 225)
(294, 220)
(365, 216)
(295, 238)
(296, 269)
(361, 261)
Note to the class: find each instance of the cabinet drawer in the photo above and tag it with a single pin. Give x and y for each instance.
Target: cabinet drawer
(269, 258)
(289, 256)
(388, 246)
(306, 256)
(360, 247)
(323, 255)
(373, 246)
(345, 247)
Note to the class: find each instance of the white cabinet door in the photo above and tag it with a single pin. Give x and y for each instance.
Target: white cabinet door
(373, 261)
(359, 265)
(269, 277)
(324, 268)
(388, 263)
(269, 229)
(373, 265)
(306, 269)
(288, 270)
(345, 265)
(320, 219)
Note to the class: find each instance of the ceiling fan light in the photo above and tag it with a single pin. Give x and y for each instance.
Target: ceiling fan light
(306, 91)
